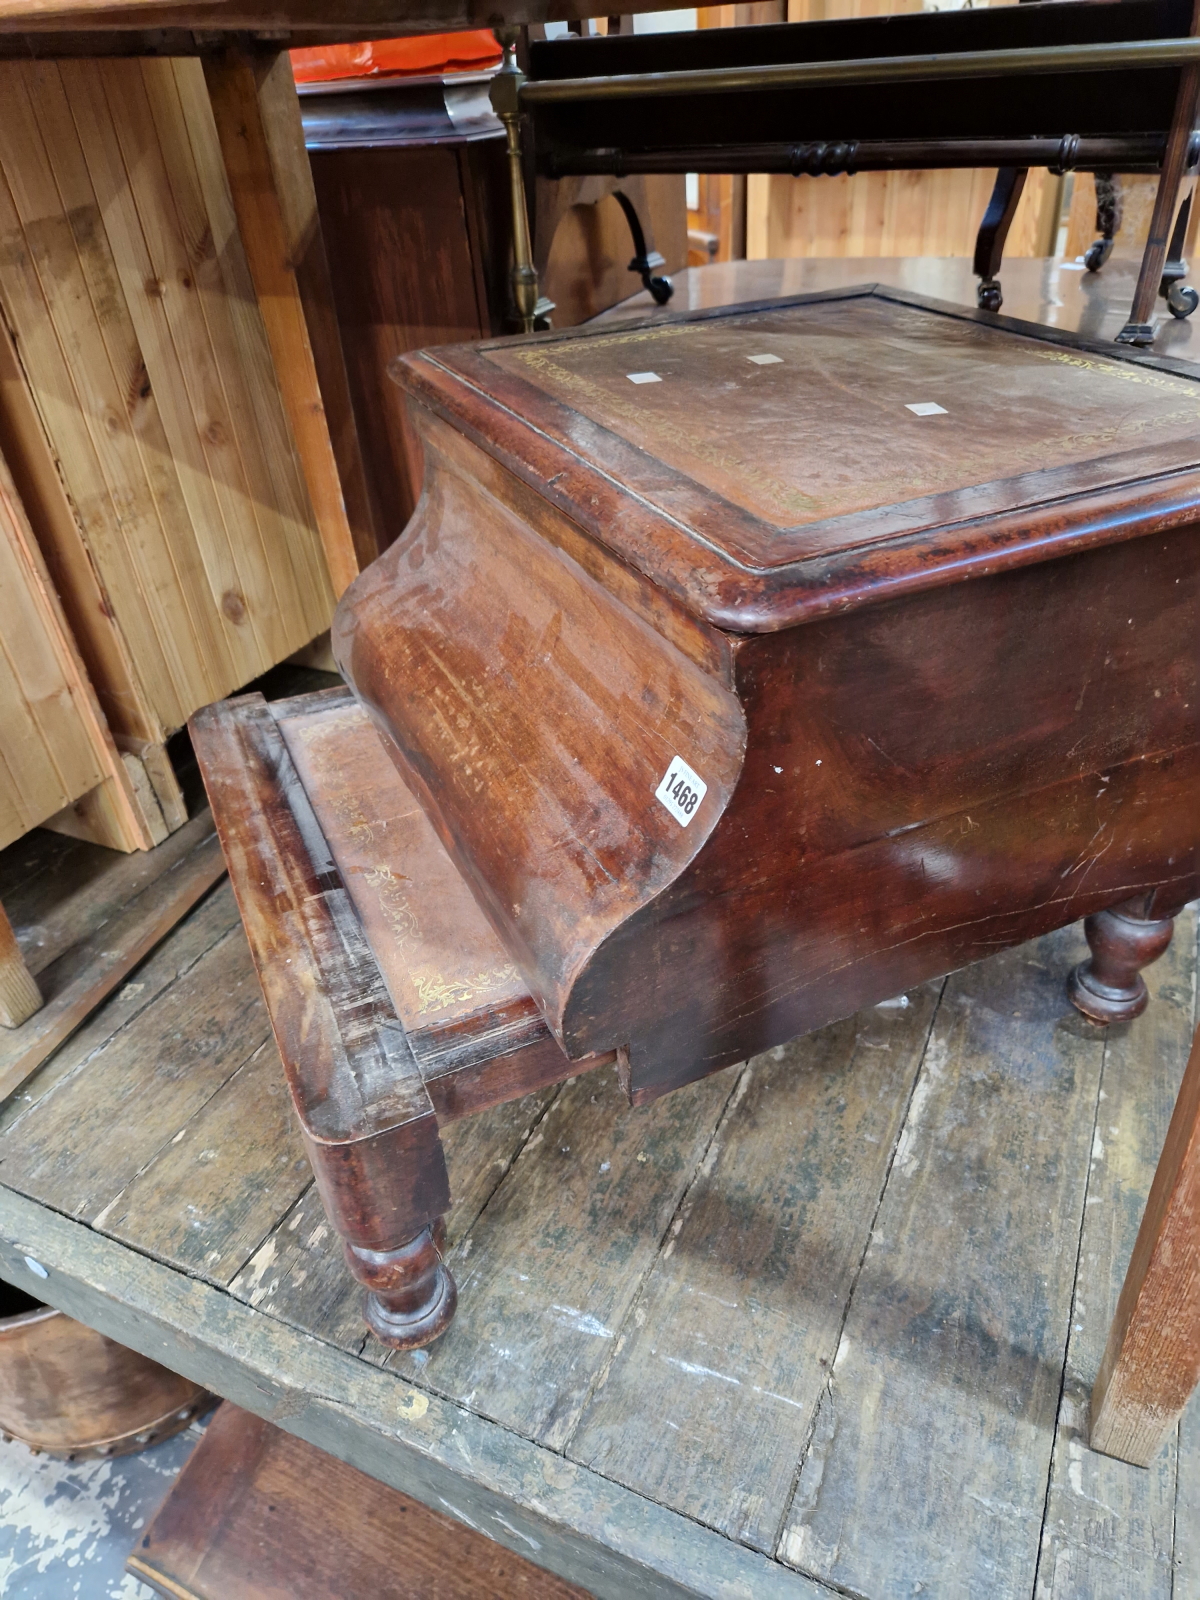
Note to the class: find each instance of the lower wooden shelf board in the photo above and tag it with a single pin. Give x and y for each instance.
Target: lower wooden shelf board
(257, 1513)
(114, 922)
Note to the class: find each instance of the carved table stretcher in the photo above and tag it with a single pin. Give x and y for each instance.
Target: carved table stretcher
(748, 668)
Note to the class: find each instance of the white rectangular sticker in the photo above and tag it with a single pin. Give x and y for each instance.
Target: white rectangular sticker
(643, 377)
(765, 361)
(681, 791)
(927, 408)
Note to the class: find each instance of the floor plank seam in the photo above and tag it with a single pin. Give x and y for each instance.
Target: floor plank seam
(1062, 1382)
(600, 1377)
(340, 1404)
(234, 929)
(156, 882)
(97, 1221)
(171, 1266)
(826, 1396)
(274, 1228)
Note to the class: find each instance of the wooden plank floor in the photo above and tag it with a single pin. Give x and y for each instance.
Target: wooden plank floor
(825, 1323)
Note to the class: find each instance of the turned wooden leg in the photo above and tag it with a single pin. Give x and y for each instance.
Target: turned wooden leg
(411, 1297)
(1152, 1362)
(19, 994)
(1123, 940)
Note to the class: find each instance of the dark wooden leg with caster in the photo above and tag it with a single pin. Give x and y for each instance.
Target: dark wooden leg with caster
(1108, 221)
(993, 232)
(645, 260)
(1139, 330)
(1181, 298)
(1123, 939)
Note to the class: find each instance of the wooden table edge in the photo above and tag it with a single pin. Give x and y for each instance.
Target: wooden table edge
(563, 1516)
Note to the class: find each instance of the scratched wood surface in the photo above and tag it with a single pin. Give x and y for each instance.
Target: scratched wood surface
(702, 1342)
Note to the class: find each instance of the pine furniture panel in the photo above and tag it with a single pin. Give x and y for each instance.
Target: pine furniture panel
(128, 298)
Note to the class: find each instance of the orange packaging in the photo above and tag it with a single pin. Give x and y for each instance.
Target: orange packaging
(418, 55)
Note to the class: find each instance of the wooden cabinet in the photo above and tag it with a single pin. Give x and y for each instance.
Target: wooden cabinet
(53, 746)
(57, 756)
(141, 407)
(412, 191)
(415, 235)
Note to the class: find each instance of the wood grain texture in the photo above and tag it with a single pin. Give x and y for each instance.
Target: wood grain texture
(258, 123)
(367, 1120)
(55, 744)
(734, 1332)
(294, 1352)
(1151, 1363)
(184, 1204)
(582, 244)
(98, 815)
(42, 491)
(892, 214)
(598, 1185)
(469, 1021)
(145, 360)
(20, 996)
(580, 1525)
(596, 584)
(86, 972)
(255, 1508)
(404, 272)
(296, 1276)
(763, 485)
(209, 922)
(953, 1345)
(135, 133)
(61, 891)
(85, 1144)
(1108, 1526)
(100, 415)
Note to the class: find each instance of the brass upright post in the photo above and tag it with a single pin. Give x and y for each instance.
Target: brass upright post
(505, 93)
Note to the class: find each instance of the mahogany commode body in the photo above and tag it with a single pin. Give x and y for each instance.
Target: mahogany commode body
(938, 672)
(935, 672)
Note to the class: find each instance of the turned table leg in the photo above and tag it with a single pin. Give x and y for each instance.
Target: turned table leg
(1152, 1362)
(1123, 939)
(411, 1297)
